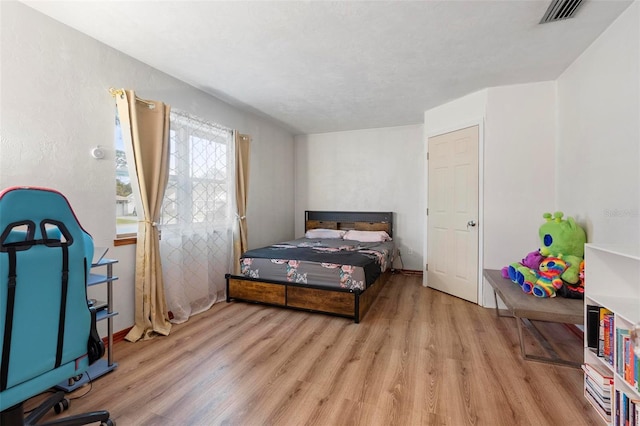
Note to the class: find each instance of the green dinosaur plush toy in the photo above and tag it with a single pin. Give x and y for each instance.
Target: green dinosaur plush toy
(566, 239)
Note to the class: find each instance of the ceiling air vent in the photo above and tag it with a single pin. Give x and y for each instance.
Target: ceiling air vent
(561, 9)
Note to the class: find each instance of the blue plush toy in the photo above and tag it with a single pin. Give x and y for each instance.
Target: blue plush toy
(521, 272)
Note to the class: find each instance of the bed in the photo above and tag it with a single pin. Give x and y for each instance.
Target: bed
(322, 272)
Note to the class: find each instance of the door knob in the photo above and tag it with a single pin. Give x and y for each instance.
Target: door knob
(471, 223)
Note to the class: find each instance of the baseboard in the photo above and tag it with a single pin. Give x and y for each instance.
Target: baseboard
(117, 337)
(408, 272)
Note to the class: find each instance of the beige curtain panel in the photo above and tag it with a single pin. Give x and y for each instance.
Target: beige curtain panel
(145, 133)
(240, 245)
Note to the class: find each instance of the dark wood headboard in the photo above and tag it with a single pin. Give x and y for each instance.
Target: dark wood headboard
(361, 221)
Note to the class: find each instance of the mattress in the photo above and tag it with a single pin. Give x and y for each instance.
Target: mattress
(320, 262)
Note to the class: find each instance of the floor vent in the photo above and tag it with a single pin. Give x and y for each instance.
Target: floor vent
(561, 9)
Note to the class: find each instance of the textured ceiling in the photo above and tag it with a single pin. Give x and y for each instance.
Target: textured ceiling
(330, 66)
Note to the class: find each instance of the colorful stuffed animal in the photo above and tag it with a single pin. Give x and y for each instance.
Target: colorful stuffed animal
(548, 280)
(563, 238)
(560, 239)
(574, 291)
(521, 273)
(581, 274)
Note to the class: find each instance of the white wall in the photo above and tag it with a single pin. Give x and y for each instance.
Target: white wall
(519, 169)
(365, 170)
(459, 113)
(598, 161)
(55, 107)
(517, 172)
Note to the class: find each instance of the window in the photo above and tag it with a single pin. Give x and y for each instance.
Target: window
(197, 215)
(200, 171)
(200, 177)
(126, 215)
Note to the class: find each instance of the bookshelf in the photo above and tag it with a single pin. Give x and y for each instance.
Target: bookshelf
(612, 310)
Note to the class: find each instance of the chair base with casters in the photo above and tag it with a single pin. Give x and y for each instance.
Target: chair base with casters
(15, 415)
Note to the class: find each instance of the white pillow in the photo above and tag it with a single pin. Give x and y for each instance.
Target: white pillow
(367, 236)
(324, 233)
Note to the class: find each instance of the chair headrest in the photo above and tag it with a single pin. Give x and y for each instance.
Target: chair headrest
(30, 214)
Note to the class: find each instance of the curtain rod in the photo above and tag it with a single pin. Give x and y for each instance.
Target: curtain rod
(120, 92)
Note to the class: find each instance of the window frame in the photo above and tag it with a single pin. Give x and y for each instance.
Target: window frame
(122, 238)
(182, 157)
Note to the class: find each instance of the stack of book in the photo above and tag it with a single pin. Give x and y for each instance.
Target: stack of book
(598, 389)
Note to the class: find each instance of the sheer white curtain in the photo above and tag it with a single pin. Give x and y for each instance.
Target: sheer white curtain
(196, 243)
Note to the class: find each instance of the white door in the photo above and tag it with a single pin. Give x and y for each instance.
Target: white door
(452, 230)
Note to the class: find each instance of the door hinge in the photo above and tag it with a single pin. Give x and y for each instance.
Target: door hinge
(427, 211)
(426, 266)
(427, 156)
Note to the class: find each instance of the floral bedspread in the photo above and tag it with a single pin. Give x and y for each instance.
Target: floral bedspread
(324, 262)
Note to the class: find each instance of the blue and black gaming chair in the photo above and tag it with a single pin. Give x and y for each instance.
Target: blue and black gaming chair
(48, 330)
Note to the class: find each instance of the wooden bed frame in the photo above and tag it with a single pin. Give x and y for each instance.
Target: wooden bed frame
(342, 302)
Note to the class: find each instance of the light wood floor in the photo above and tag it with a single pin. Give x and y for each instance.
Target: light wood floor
(418, 357)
